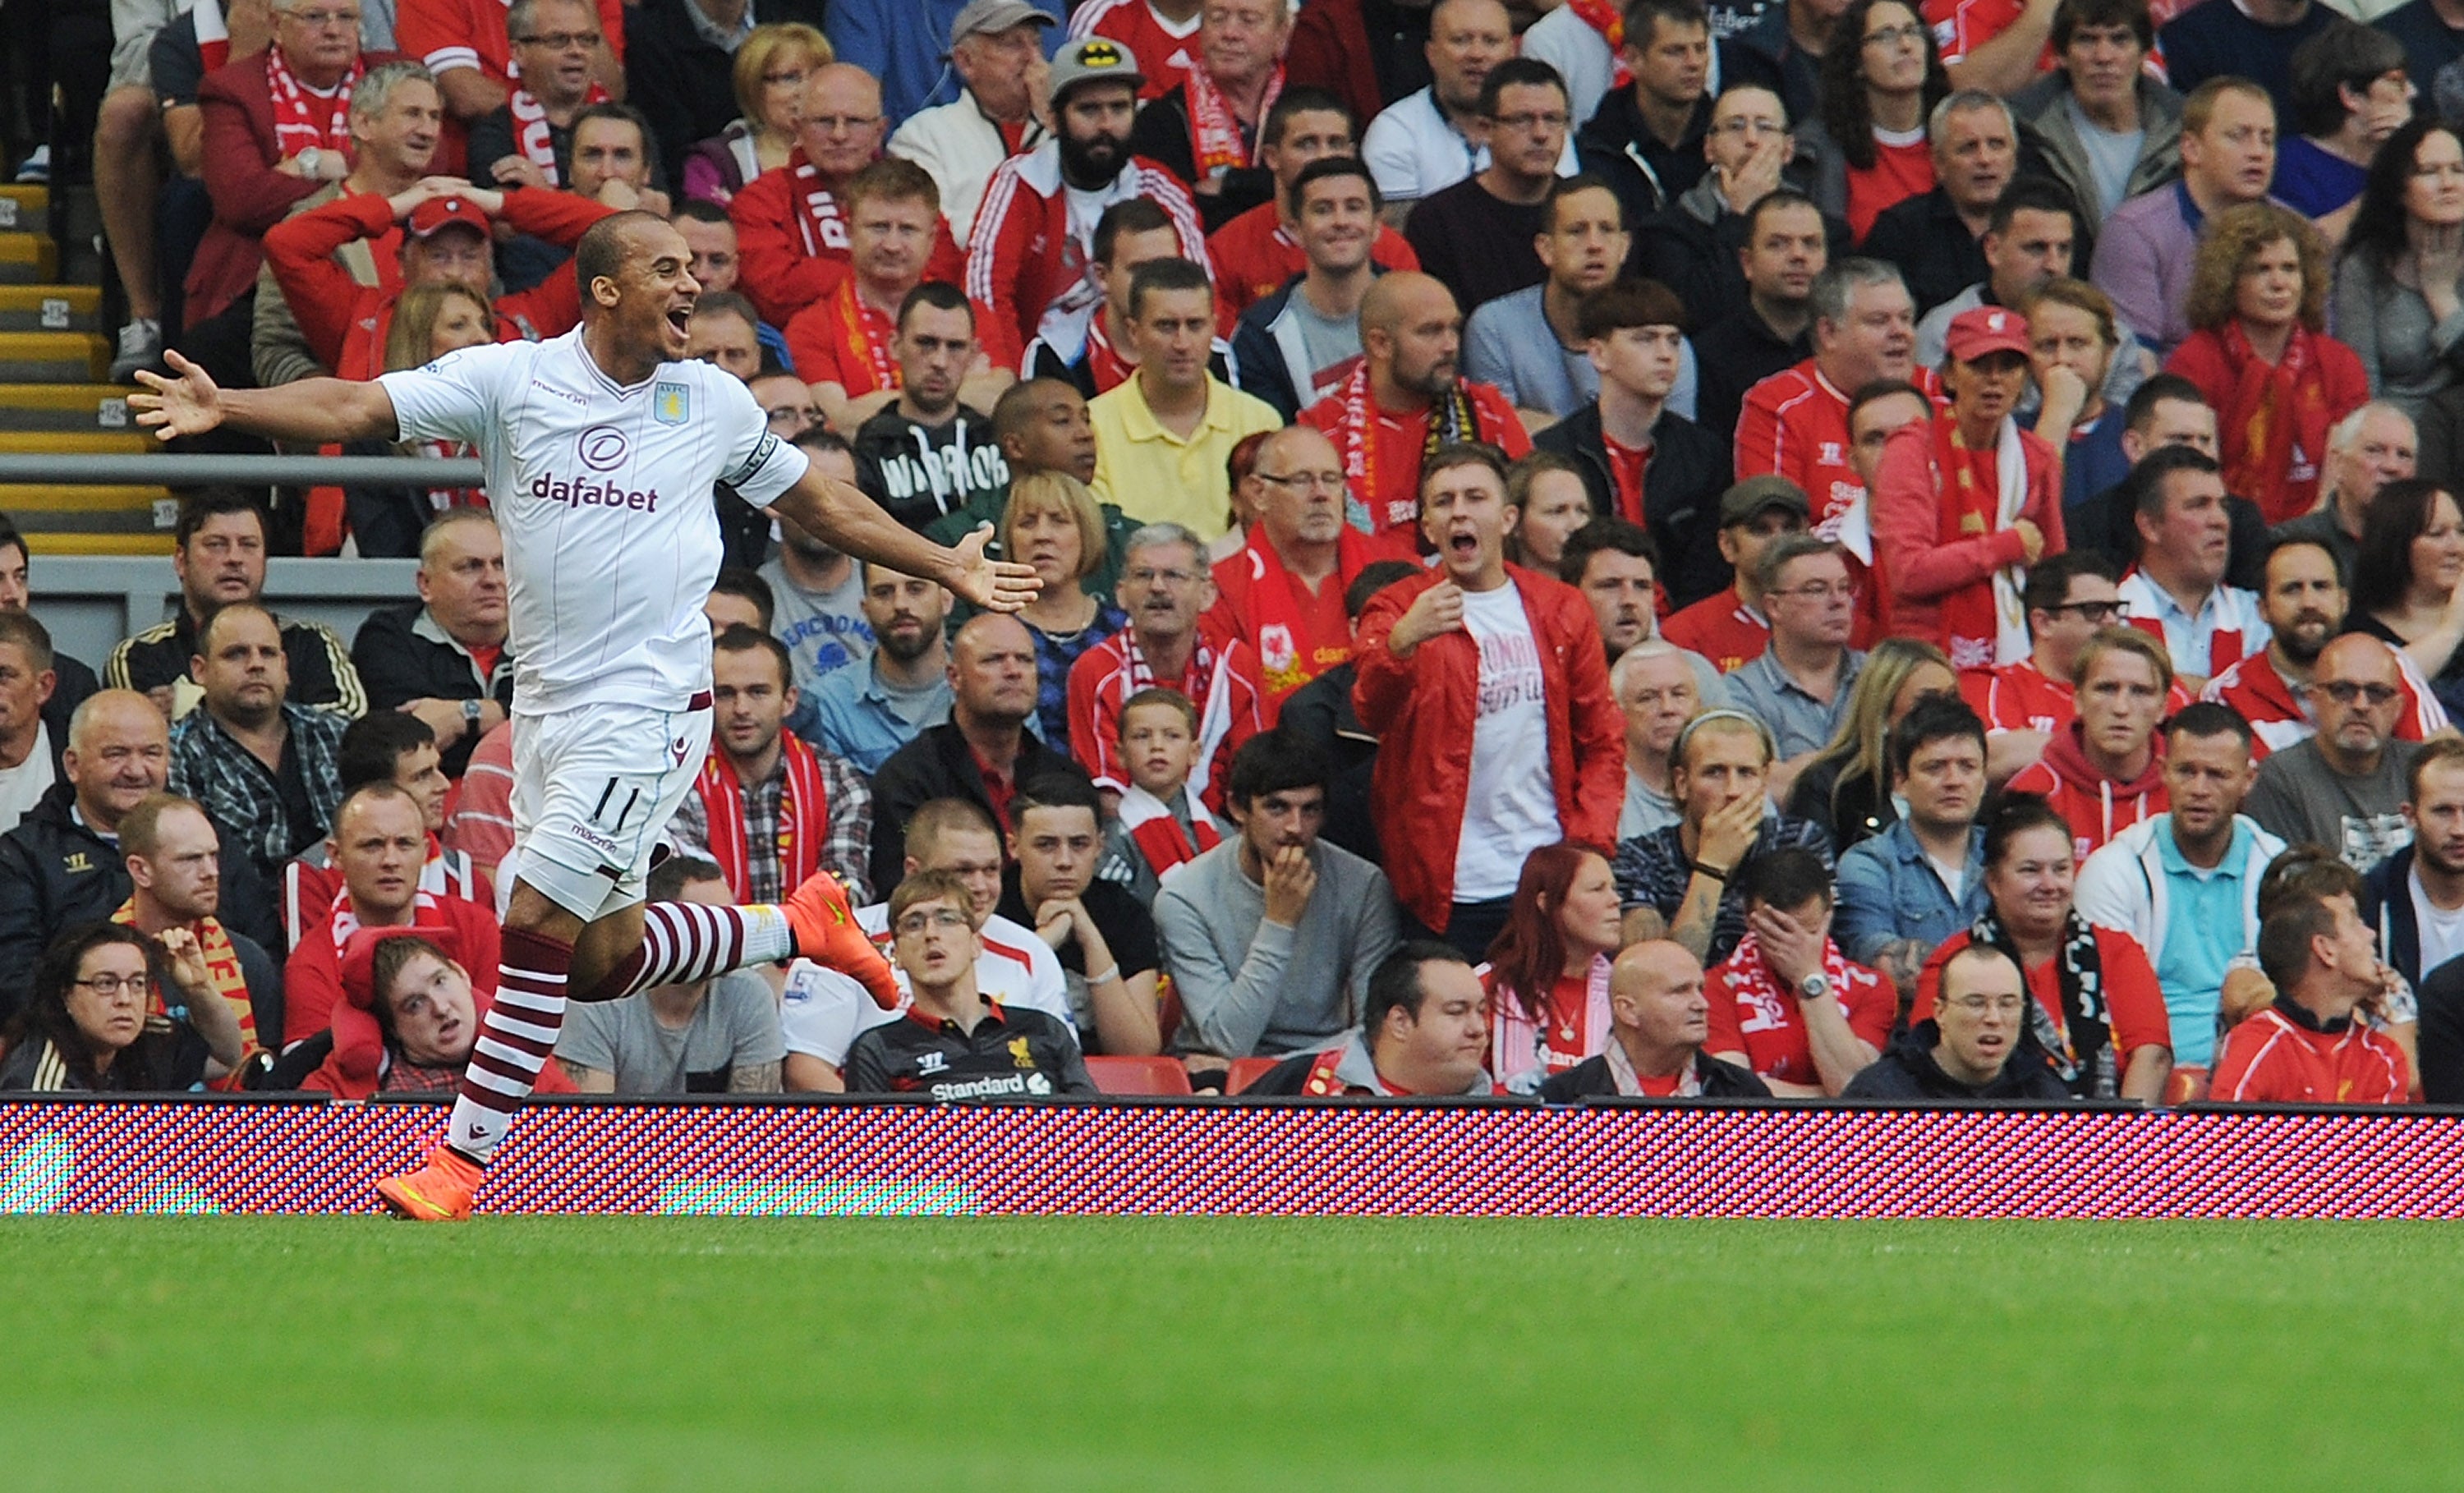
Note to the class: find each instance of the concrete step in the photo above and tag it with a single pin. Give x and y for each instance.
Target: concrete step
(25, 210)
(66, 407)
(53, 358)
(28, 259)
(35, 508)
(50, 308)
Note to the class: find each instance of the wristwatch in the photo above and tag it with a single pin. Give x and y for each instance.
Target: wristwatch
(308, 160)
(471, 713)
(1814, 986)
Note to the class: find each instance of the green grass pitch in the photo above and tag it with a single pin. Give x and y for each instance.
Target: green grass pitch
(604, 1353)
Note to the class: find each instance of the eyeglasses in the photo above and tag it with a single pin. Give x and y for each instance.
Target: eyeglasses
(1893, 35)
(1172, 577)
(563, 42)
(2096, 613)
(2344, 691)
(1544, 121)
(842, 123)
(1822, 591)
(914, 923)
(112, 986)
(1306, 481)
(1749, 128)
(1989, 1005)
(792, 78)
(318, 20)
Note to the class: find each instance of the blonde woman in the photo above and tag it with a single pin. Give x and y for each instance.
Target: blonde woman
(771, 70)
(1052, 522)
(1846, 787)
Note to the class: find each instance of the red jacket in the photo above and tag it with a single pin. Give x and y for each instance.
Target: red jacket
(2095, 806)
(2284, 1056)
(779, 273)
(2282, 481)
(311, 978)
(1423, 709)
(1919, 567)
(248, 195)
(355, 1066)
(345, 322)
(1019, 261)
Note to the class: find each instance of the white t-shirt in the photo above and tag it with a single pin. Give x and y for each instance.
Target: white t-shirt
(1512, 810)
(2442, 934)
(23, 786)
(822, 1012)
(603, 494)
(1414, 151)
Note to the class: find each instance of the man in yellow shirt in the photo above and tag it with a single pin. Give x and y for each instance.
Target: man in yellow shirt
(1164, 436)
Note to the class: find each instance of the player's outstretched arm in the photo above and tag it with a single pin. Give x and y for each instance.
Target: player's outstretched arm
(841, 515)
(317, 412)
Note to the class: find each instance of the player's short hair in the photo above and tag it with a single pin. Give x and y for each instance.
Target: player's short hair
(1621, 305)
(931, 887)
(668, 879)
(374, 744)
(197, 505)
(939, 296)
(1329, 168)
(1374, 576)
(1395, 984)
(2124, 640)
(1161, 276)
(141, 828)
(937, 817)
(1275, 761)
(891, 179)
(737, 638)
(1172, 699)
(600, 252)
(31, 636)
(1131, 215)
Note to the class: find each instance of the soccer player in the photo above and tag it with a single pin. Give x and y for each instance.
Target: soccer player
(601, 448)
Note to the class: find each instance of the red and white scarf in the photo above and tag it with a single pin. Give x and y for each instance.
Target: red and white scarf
(346, 922)
(1983, 623)
(1158, 832)
(1751, 981)
(1208, 683)
(1286, 648)
(302, 120)
(1215, 140)
(803, 800)
(1607, 18)
(863, 347)
(213, 37)
(533, 136)
(1451, 419)
(1551, 1046)
(817, 209)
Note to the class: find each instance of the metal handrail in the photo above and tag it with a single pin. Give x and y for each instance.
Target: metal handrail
(169, 469)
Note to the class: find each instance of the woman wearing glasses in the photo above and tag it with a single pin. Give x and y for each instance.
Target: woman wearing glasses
(770, 71)
(96, 1022)
(1880, 79)
(2404, 581)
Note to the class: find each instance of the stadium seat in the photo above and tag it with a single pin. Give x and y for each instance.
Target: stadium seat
(1246, 1071)
(1138, 1075)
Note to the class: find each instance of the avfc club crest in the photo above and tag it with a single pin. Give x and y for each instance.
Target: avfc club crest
(670, 404)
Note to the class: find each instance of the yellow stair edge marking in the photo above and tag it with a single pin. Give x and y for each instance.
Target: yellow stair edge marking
(77, 443)
(100, 543)
(35, 497)
(87, 397)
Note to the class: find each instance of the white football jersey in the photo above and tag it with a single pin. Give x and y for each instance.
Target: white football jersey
(604, 495)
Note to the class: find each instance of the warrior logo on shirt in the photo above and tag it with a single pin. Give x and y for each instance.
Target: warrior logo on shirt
(669, 404)
(602, 447)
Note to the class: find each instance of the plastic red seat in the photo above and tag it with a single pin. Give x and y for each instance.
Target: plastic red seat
(1246, 1071)
(1138, 1075)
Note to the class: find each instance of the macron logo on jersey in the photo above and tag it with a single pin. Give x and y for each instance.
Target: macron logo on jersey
(602, 448)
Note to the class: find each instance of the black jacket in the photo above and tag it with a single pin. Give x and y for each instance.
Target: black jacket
(1909, 1071)
(2440, 1037)
(55, 872)
(1646, 175)
(1163, 135)
(1932, 246)
(1590, 1079)
(2107, 524)
(72, 682)
(1734, 354)
(1689, 469)
(939, 764)
(1321, 711)
(402, 654)
(921, 473)
(2388, 906)
(321, 674)
(685, 86)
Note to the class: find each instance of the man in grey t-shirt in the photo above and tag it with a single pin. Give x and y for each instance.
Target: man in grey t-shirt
(815, 593)
(719, 1036)
(1298, 346)
(2345, 787)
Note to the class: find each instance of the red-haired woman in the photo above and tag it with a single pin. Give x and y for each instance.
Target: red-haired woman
(1547, 974)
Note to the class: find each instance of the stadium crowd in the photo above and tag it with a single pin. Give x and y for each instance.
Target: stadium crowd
(1795, 549)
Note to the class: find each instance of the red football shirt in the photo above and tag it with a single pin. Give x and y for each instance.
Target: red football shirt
(1165, 53)
(1389, 480)
(1722, 628)
(1752, 1015)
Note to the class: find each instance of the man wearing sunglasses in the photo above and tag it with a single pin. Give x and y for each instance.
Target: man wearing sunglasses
(2304, 605)
(2345, 787)
(2026, 704)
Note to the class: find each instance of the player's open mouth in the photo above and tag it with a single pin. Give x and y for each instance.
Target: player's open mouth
(679, 316)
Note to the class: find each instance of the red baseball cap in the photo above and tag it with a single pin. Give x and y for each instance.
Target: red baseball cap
(439, 213)
(1985, 329)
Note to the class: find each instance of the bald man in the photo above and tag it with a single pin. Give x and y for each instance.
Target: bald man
(2345, 786)
(791, 231)
(1282, 591)
(61, 866)
(1658, 1019)
(1408, 396)
(981, 753)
